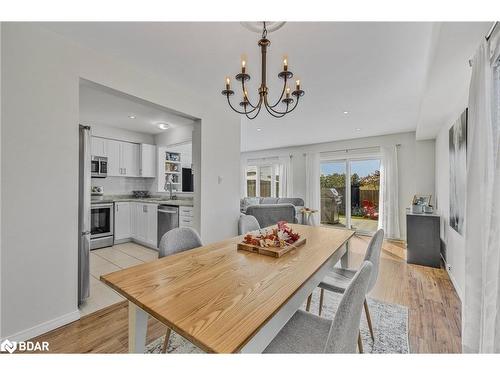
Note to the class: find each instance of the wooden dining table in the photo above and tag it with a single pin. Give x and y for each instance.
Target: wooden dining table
(226, 300)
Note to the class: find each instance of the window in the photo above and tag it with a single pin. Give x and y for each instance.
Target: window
(251, 181)
(263, 180)
(266, 179)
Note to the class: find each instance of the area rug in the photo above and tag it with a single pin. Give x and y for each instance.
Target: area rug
(390, 323)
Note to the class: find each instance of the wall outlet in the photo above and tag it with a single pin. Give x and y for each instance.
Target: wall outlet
(448, 266)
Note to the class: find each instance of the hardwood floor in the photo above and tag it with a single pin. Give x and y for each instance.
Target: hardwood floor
(434, 309)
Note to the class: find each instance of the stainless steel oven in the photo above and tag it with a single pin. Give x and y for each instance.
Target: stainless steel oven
(99, 166)
(101, 225)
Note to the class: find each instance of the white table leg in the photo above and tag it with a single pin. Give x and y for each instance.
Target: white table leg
(137, 329)
(344, 261)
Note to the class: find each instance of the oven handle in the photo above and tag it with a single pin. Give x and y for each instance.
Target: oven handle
(168, 212)
(104, 205)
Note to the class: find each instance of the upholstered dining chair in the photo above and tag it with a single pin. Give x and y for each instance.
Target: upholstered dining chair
(309, 333)
(247, 223)
(339, 278)
(175, 241)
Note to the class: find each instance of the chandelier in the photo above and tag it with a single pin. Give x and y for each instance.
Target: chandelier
(285, 103)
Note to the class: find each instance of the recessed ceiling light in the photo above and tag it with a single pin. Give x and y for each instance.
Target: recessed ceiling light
(358, 129)
(163, 126)
(259, 129)
(346, 112)
(131, 117)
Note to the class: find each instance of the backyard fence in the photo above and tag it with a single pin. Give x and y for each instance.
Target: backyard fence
(332, 207)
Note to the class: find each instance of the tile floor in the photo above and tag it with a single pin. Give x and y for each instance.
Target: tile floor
(107, 260)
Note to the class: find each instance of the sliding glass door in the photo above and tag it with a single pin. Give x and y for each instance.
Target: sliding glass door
(333, 193)
(350, 193)
(365, 187)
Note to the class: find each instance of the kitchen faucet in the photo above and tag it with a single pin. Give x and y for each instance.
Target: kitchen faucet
(169, 181)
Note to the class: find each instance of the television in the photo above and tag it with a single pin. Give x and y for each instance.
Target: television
(187, 179)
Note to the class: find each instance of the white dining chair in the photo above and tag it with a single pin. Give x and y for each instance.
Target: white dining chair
(309, 333)
(339, 278)
(175, 241)
(247, 223)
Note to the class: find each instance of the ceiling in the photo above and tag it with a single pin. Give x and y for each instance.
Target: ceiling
(103, 106)
(389, 76)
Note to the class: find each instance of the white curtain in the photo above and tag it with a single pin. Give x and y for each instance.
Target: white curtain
(313, 184)
(286, 176)
(481, 312)
(243, 177)
(389, 197)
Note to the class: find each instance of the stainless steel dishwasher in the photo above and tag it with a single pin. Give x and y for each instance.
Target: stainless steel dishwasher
(168, 218)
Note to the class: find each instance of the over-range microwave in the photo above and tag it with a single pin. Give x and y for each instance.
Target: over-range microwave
(99, 166)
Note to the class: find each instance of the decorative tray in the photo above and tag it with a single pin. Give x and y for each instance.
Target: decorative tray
(274, 242)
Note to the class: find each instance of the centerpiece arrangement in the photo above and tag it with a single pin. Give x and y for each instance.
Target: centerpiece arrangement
(273, 241)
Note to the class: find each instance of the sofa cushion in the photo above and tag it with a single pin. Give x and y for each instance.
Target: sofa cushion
(269, 200)
(248, 201)
(294, 201)
(270, 214)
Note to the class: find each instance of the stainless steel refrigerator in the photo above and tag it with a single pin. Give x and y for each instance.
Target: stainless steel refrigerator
(84, 216)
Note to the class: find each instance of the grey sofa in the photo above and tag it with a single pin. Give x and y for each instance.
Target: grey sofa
(268, 211)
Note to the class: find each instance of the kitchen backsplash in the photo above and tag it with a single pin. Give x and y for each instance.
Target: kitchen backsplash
(122, 185)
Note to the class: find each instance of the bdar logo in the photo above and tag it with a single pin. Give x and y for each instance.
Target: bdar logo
(8, 346)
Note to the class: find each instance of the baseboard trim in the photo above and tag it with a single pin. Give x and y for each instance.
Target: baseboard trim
(453, 281)
(145, 244)
(45, 327)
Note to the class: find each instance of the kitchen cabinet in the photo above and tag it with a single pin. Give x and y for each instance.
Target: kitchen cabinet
(185, 217)
(148, 160)
(123, 158)
(423, 239)
(113, 158)
(123, 221)
(145, 223)
(152, 225)
(129, 159)
(98, 146)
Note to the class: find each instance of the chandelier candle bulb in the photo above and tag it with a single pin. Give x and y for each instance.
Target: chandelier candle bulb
(228, 83)
(297, 84)
(285, 64)
(243, 66)
(288, 92)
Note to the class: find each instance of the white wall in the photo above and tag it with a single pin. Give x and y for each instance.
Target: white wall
(425, 181)
(179, 134)
(451, 242)
(121, 134)
(408, 163)
(40, 79)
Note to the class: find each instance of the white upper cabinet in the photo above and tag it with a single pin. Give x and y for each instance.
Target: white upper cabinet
(126, 159)
(148, 160)
(98, 146)
(123, 157)
(114, 156)
(129, 159)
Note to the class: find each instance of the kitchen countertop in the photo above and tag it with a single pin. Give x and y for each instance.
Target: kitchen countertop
(156, 200)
